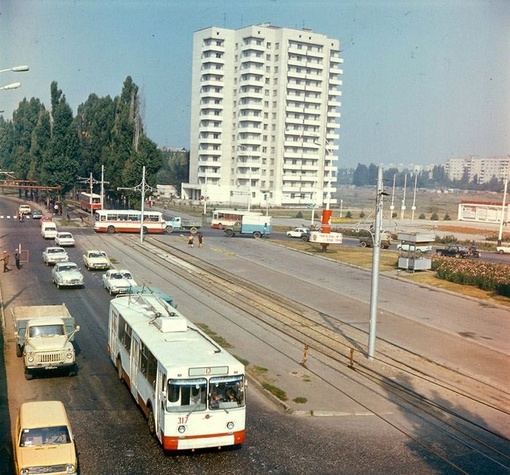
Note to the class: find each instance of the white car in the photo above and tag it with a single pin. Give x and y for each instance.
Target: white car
(96, 260)
(300, 233)
(67, 274)
(64, 239)
(116, 283)
(54, 254)
(128, 276)
(406, 247)
(24, 209)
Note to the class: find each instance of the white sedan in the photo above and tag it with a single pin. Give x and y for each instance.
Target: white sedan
(116, 283)
(67, 274)
(503, 249)
(64, 239)
(54, 254)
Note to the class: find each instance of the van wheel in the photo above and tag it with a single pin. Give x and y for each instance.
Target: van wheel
(151, 424)
(229, 232)
(257, 234)
(363, 244)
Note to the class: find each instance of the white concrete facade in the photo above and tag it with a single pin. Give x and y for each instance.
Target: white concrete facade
(264, 117)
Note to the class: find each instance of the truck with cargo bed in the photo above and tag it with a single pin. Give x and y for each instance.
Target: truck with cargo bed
(179, 224)
(44, 335)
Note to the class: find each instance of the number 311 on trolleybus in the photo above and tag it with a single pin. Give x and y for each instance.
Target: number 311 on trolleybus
(128, 221)
(191, 390)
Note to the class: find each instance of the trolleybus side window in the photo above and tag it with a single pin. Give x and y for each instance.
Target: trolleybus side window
(125, 334)
(186, 394)
(148, 365)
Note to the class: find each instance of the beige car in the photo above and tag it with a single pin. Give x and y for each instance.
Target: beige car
(43, 440)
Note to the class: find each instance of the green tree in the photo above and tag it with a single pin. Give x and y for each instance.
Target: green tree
(360, 175)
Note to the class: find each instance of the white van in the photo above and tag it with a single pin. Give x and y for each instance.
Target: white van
(48, 230)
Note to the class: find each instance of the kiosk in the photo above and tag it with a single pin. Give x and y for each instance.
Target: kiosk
(414, 258)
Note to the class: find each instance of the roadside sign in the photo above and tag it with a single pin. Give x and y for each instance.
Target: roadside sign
(329, 238)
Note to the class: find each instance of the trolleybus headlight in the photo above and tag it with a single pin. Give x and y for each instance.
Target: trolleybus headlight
(230, 425)
(182, 429)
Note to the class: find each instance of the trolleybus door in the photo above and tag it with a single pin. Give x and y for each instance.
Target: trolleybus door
(159, 401)
(134, 357)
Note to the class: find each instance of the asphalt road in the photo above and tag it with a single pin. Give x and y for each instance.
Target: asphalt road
(111, 433)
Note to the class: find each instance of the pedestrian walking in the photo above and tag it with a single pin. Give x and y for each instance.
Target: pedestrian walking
(5, 258)
(200, 239)
(17, 258)
(190, 240)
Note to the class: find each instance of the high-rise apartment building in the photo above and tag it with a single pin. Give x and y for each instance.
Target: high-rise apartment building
(478, 169)
(264, 116)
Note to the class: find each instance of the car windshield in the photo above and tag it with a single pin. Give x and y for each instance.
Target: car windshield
(95, 254)
(55, 251)
(45, 436)
(127, 275)
(67, 268)
(116, 276)
(46, 330)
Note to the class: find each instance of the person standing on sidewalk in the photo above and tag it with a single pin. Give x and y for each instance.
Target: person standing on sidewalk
(5, 258)
(17, 258)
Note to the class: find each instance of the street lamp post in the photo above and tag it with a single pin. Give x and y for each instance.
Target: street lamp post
(15, 69)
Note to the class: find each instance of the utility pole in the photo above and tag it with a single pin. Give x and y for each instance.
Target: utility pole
(91, 181)
(375, 263)
(141, 187)
(503, 213)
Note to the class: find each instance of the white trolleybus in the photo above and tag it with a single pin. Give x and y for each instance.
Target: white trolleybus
(128, 221)
(191, 390)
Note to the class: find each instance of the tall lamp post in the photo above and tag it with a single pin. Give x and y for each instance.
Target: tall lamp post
(141, 187)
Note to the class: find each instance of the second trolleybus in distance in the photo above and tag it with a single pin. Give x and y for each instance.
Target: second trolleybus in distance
(128, 221)
(191, 390)
(229, 217)
(90, 201)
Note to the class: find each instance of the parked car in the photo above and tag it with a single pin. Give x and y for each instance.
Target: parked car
(64, 239)
(406, 247)
(503, 249)
(43, 439)
(24, 209)
(96, 260)
(54, 254)
(300, 233)
(115, 282)
(66, 274)
(37, 214)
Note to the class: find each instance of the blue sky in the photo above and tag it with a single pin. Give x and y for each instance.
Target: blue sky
(424, 81)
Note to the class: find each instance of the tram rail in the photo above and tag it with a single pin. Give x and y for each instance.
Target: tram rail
(396, 369)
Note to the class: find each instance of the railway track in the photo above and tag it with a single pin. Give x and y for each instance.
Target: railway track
(443, 391)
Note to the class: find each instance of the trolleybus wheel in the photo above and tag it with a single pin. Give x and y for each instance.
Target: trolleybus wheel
(110, 229)
(150, 422)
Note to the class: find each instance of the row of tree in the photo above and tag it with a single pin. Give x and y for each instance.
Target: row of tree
(365, 175)
(53, 148)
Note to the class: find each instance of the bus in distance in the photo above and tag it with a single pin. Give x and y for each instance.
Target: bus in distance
(89, 201)
(128, 221)
(228, 217)
(191, 390)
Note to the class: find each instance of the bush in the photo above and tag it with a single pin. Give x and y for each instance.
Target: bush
(362, 214)
(394, 214)
(348, 215)
(434, 217)
(299, 215)
(447, 217)
(422, 216)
